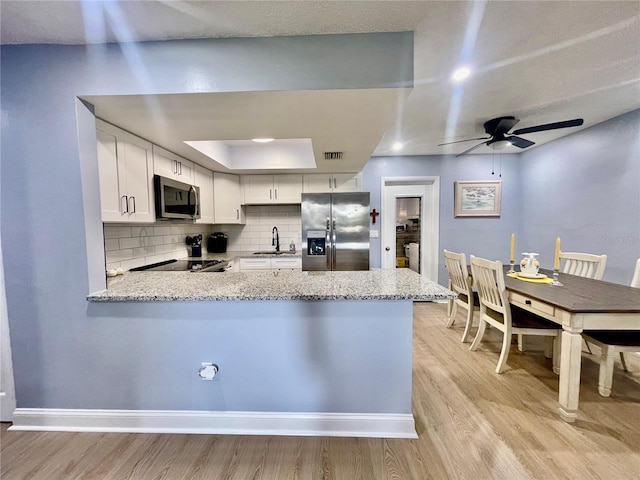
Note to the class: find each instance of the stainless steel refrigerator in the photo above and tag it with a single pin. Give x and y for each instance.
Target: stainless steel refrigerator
(335, 231)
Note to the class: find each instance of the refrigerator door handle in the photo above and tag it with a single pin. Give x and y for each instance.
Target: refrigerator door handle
(333, 254)
(327, 248)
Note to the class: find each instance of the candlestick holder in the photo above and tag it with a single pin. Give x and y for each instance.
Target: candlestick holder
(555, 282)
(511, 263)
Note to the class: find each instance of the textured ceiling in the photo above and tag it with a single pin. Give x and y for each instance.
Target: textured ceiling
(539, 61)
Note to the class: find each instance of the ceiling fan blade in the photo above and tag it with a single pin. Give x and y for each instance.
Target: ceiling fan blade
(500, 125)
(460, 141)
(520, 142)
(550, 126)
(470, 149)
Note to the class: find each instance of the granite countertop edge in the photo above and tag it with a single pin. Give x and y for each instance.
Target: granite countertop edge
(400, 284)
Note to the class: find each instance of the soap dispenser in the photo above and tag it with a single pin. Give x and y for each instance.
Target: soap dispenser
(292, 247)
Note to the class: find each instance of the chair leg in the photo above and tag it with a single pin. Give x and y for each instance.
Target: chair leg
(467, 328)
(479, 335)
(548, 347)
(605, 376)
(624, 362)
(452, 315)
(504, 353)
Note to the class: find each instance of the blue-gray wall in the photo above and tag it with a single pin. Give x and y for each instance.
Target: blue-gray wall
(585, 183)
(584, 187)
(42, 219)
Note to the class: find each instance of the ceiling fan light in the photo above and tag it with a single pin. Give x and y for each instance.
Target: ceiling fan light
(500, 144)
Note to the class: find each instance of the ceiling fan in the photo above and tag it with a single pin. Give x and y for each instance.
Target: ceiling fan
(499, 136)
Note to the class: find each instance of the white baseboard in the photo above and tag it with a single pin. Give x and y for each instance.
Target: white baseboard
(203, 422)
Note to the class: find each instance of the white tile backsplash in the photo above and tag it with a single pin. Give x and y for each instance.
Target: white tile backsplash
(128, 246)
(260, 220)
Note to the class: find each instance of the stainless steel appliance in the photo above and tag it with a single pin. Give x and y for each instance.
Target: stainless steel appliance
(185, 266)
(176, 199)
(335, 231)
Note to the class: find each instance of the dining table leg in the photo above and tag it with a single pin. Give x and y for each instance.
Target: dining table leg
(570, 363)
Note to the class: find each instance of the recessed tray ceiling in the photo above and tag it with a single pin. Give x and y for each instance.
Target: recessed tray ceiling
(349, 121)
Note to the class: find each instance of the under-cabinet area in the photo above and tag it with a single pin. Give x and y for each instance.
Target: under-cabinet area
(128, 164)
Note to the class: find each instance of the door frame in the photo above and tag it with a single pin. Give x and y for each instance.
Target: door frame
(429, 221)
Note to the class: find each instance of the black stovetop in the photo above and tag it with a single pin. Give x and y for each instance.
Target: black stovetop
(185, 266)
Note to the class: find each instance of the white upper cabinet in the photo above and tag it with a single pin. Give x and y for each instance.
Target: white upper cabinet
(332, 182)
(125, 167)
(170, 165)
(227, 199)
(203, 178)
(261, 189)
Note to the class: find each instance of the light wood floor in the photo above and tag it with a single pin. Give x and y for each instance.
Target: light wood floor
(472, 424)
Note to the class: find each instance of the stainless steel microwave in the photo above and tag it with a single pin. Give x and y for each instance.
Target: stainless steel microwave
(176, 200)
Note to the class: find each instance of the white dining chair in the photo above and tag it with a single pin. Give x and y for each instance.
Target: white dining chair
(461, 283)
(495, 310)
(585, 265)
(612, 342)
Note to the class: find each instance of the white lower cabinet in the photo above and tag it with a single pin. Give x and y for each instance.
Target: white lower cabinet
(203, 178)
(266, 263)
(125, 168)
(286, 263)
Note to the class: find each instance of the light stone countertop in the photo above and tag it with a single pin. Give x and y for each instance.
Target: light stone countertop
(377, 284)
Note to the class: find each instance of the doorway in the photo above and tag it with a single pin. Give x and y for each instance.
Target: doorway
(423, 247)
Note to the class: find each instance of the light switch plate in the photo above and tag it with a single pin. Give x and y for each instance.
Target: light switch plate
(373, 233)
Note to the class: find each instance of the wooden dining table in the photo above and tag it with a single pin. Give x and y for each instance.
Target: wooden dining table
(579, 304)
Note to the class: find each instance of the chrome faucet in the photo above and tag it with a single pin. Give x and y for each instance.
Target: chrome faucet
(275, 238)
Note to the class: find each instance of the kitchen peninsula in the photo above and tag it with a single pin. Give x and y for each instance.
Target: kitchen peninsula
(299, 353)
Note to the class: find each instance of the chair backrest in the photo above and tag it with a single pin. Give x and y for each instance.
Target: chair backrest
(635, 282)
(488, 277)
(584, 264)
(456, 265)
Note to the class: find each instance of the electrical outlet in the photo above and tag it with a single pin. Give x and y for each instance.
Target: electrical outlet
(373, 233)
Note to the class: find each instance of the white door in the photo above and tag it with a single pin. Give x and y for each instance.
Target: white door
(226, 198)
(428, 190)
(258, 189)
(203, 178)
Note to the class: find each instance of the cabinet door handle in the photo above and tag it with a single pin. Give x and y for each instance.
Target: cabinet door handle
(329, 183)
(180, 168)
(335, 185)
(270, 197)
(276, 193)
(175, 166)
(126, 204)
(134, 204)
(237, 214)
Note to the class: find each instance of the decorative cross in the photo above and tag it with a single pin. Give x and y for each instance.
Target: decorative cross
(374, 214)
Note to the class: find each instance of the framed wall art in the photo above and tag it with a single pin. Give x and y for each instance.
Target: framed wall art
(477, 198)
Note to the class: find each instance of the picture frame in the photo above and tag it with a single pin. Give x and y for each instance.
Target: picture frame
(477, 198)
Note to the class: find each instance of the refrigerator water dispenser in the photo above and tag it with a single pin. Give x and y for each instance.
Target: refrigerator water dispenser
(316, 243)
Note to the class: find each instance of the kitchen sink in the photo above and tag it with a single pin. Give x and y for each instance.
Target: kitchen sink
(271, 252)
